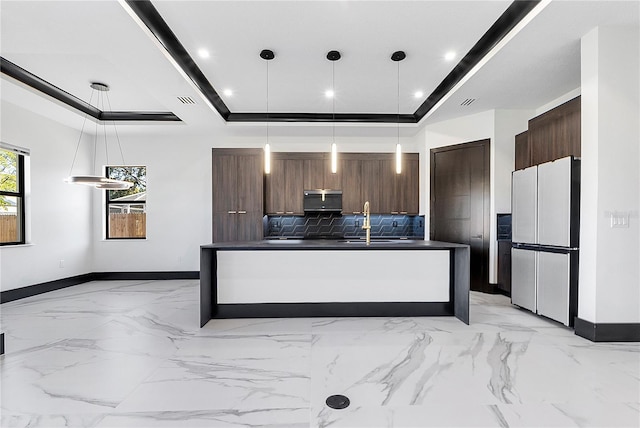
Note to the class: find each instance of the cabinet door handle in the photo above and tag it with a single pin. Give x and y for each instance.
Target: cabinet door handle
(289, 212)
(477, 236)
(242, 212)
(403, 212)
(356, 212)
(279, 212)
(231, 212)
(394, 212)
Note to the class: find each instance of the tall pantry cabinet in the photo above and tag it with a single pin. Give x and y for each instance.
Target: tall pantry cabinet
(237, 194)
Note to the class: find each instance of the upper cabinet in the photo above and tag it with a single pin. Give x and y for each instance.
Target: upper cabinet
(372, 177)
(317, 172)
(361, 177)
(284, 184)
(551, 135)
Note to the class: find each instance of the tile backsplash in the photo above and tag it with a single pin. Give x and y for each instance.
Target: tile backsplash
(331, 225)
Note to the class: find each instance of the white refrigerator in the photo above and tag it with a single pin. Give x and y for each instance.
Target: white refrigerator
(545, 232)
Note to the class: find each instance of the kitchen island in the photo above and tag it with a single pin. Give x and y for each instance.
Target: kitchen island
(315, 278)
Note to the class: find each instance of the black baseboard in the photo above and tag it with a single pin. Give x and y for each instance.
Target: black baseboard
(45, 287)
(1, 343)
(609, 332)
(133, 276)
(337, 309)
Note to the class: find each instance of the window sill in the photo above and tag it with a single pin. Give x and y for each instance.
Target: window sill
(17, 245)
(124, 240)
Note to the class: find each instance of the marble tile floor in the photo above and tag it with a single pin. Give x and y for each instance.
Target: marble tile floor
(131, 354)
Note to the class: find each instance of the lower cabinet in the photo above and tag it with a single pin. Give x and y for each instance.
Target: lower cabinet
(504, 266)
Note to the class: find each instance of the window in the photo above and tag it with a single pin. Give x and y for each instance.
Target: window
(126, 209)
(12, 230)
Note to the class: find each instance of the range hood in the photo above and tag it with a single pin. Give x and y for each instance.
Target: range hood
(322, 200)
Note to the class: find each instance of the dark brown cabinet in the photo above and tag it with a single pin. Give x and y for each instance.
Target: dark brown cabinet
(522, 151)
(284, 185)
(372, 177)
(237, 194)
(352, 202)
(407, 186)
(504, 267)
(318, 175)
(552, 135)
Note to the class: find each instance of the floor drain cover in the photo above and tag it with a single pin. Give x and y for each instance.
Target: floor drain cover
(338, 402)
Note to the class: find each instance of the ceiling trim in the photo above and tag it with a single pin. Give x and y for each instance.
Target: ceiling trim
(158, 27)
(150, 17)
(322, 117)
(20, 74)
(515, 13)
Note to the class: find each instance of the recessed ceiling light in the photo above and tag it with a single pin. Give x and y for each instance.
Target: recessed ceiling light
(227, 92)
(418, 94)
(329, 93)
(203, 53)
(449, 56)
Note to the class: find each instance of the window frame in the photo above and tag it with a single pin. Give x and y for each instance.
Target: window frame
(20, 197)
(108, 203)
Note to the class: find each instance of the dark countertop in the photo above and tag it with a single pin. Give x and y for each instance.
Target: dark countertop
(328, 244)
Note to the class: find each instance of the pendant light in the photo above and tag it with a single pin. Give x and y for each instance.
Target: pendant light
(397, 57)
(267, 55)
(98, 181)
(333, 56)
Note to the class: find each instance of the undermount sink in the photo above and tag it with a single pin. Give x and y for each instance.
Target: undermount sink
(373, 241)
(284, 241)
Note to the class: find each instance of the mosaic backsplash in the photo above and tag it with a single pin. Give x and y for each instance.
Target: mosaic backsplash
(331, 225)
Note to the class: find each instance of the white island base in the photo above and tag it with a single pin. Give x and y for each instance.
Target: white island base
(333, 276)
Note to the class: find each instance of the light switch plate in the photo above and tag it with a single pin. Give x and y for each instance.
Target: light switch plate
(619, 219)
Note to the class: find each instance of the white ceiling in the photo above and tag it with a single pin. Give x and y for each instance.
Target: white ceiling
(71, 43)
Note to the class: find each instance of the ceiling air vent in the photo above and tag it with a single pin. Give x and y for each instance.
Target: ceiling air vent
(467, 102)
(186, 100)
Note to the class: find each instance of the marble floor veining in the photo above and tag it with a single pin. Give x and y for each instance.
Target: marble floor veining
(132, 354)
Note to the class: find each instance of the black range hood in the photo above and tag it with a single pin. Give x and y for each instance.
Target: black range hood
(322, 200)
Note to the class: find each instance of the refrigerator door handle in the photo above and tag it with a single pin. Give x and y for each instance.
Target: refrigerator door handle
(477, 236)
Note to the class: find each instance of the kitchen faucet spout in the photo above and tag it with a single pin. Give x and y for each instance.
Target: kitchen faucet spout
(367, 221)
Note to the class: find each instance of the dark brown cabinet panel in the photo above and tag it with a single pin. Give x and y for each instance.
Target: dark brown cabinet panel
(352, 199)
(556, 133)
(284, 185)
(318, 175)
(314, 174)
(407, 185)
(522, 151)
(237, 194)
(504, 266)
(371, 184)
(387, 184)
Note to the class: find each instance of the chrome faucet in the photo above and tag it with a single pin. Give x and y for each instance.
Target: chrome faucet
(366, 225)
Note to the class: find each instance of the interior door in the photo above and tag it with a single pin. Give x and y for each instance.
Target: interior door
(460, 203)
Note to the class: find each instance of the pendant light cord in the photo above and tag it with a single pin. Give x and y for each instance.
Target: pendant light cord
(267, 101)
(116, 132)
(75, 155)
(333, 98)
(398, 119)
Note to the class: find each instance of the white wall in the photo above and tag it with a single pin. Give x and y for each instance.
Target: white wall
(60, 228)
(609, 273)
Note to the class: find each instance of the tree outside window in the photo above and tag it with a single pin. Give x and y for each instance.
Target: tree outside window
(126, 209)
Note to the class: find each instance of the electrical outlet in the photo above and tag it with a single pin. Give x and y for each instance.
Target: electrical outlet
(357, 223)
(61, 264)
(395, 223)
